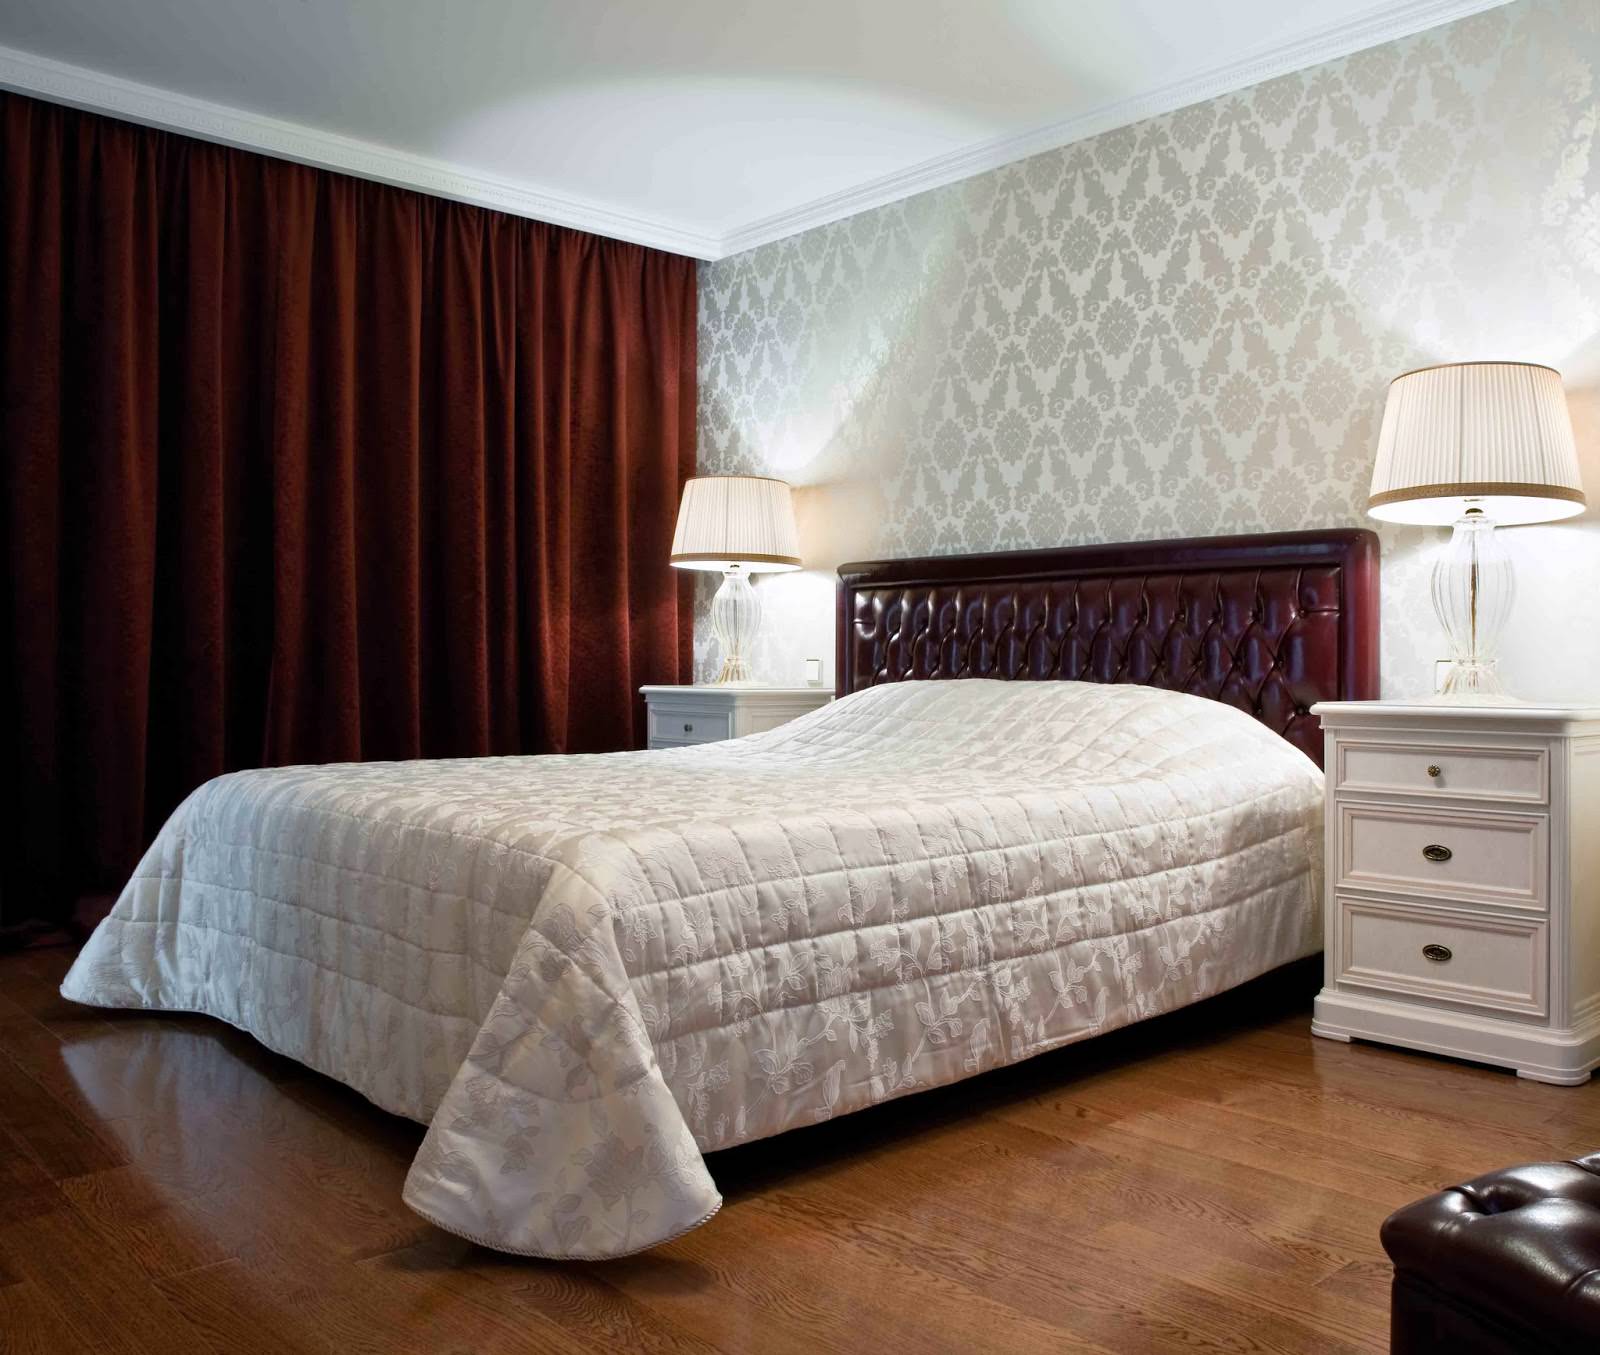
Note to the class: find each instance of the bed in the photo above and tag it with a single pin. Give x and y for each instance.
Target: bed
(1060, 792)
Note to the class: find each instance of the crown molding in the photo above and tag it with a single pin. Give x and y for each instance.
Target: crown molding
(101, 93)
(1381, 24)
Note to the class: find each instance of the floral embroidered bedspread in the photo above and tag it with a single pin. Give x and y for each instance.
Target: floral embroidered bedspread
(585, 972)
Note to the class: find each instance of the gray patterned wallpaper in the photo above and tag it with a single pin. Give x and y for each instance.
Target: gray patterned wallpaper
(1185, 327)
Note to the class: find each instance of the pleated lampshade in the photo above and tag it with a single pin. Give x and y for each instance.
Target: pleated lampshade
(1494, 436)
(726, 520)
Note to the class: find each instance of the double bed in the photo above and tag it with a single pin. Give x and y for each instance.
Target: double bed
(1061, 791)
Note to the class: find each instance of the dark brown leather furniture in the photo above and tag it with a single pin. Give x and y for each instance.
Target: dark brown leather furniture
(1508, 1264)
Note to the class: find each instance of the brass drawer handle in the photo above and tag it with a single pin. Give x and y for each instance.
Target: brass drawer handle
(1434, 769)
(1438, 954)
(1434, 852)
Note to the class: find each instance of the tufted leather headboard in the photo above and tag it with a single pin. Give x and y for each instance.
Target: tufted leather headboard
(1271, 624)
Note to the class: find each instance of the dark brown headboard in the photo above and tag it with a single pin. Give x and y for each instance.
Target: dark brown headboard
(1271, 624)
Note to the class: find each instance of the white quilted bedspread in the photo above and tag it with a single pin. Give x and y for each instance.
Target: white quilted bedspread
(584, 972)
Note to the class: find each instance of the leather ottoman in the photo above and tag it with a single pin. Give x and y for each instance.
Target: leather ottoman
(1508, 1264)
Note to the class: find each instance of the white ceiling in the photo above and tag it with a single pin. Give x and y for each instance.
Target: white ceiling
(703, 126)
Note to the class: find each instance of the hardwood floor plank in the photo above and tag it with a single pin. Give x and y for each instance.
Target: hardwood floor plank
(94, 1292)
(30, 1326)
(505, 1295)
(230, 1309)
(1030, 1219)
(1185, 1124)
(310, 1163)
(1264, 1221)
(26, 1190)
(33, 987)
(1034, 1294)
(179, 1155)
(58, 1140)
(143, 1222)
(720, 1295)
(1302, 1303)
(844, 1268)
(1382, 1076)
(1367, 1282)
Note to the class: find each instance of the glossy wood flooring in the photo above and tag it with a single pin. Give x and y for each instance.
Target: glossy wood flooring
(1212, 1181)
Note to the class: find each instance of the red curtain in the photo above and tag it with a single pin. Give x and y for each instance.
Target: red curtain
(300, 468)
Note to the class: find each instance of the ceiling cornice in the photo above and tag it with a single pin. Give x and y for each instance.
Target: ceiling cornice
(101, 93)
(1382, 24)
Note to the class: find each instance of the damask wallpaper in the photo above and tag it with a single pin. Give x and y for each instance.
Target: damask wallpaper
(1186, 327)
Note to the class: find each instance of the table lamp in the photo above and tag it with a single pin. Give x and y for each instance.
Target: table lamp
(742, 525)
(1473, 446)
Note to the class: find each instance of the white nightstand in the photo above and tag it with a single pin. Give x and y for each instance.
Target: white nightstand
(1463, 898)
(684, 715)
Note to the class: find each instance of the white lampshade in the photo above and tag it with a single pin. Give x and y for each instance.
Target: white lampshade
(1494, 436)
(736, 520)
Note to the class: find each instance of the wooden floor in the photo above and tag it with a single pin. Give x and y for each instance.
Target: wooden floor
(1212, 1181)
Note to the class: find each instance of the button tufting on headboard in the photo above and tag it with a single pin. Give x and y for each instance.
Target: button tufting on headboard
(1271, 624)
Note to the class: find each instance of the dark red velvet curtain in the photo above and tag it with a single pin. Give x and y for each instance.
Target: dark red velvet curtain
(302, 468)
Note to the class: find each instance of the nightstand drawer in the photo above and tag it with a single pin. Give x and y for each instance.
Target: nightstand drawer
(679, 716)
(689, 724)
(1444, 770)
(1499, 858)
(1430, 955)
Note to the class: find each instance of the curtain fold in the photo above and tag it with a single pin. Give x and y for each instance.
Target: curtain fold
(301, 468)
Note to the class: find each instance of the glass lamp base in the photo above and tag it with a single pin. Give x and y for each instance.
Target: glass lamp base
(1473, 588)
(735, 620)
(1471, 680)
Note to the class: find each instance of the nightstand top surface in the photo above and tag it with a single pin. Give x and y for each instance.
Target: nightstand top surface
(711, 689)
(1462, 711)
